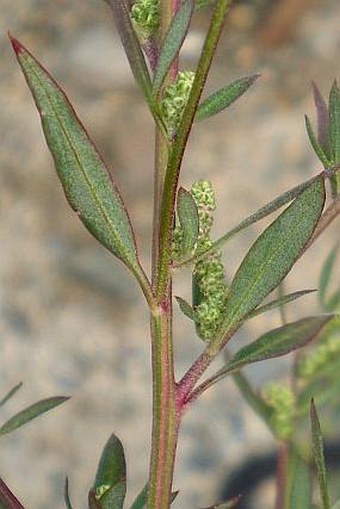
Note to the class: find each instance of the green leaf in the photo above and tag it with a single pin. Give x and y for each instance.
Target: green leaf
(30, 413)
(67, 495)
(85, 179)
(334, 121)
(172, 42)
(142, 497)
(224, 97)
(185, 308)
(299, 484)
(319, 456)
(261, 213)
(132, 48)
(110, 484)
(325, 275)
(322, 120)
(7, 499)
(315, 144)
(336, 505)
(278, 342)
(188, 219)
(10, 393)
(333, 302)
(279, 302)
(272, 256)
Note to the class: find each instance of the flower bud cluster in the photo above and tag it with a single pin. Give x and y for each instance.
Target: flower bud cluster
(282, 402)
(175, 98)
(145, 16)
(323, 354)
(209, 271)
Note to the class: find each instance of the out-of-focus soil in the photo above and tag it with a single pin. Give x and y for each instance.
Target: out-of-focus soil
(72, 321)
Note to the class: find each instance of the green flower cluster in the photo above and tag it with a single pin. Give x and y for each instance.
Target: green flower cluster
(208, 273)
(323, 354)
(282, 402)
(175, 98)
(145, 16)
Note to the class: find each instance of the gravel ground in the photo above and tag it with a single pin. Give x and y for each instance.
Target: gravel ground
(72, 321)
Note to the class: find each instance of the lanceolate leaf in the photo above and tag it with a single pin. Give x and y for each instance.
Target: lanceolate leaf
(173, 42)
(319, 456)
(67, 495)
(322, 120)
(279, 302)
(272, 256)
(10, 394)
(30, 413)
(315, 144)
(110, 484)
(131, 46)
(325, 276)
(188, 218)
(334, 121)
(185, 308)
(224, 97)
(279, 341)
(85, 179)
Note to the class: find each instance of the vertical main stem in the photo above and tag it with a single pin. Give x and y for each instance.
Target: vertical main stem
(165, 421)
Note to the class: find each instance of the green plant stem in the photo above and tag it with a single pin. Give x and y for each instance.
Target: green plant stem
(165, 418)
(177, 152)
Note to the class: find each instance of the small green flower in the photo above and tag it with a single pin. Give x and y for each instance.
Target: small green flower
(145, 17)
(209, 271)
(175, 98)
(282, 402)
(323, 354)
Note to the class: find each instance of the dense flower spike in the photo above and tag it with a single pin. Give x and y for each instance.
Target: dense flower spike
(175, 98)
(282, 402)
(208, 272)
(323, 354)
(145, 17)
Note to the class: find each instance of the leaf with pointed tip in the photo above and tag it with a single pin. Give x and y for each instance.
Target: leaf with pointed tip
(224, 97)
(334, 121)
(142, 498)
(325, 275)
(110, 484)
(30, 413)
(279, 302)
(319, 457)
(271, 257)
(188, 219)
(278, 342)
(185, 308)
(264, 211)
(172, 43)
(7, 499)
(10, 393)
(85, 179)
(67, 495)
(315, 144)
(322, 120)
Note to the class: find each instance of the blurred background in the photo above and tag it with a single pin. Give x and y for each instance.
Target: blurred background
(72, 321)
